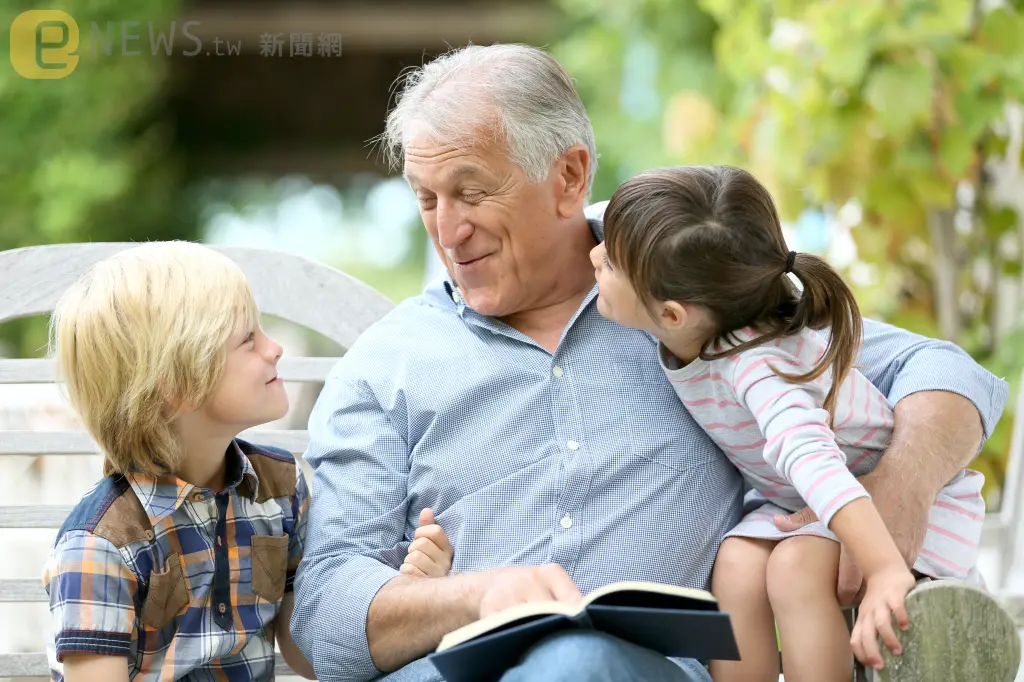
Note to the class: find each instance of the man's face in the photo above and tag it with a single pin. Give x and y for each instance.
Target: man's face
(492, 228)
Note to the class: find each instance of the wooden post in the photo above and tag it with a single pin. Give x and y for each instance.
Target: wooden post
(958, 633)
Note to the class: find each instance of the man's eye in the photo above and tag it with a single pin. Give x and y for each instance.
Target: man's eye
(472, 196)
(426, 202)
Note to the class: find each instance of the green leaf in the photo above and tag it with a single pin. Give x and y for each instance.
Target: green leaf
(901, 95)
(1001, 30)
(996, 145)
(970, 66)
(956, 151)
(932, 191)
(891, 197)
(976, 111)
(1000, 220)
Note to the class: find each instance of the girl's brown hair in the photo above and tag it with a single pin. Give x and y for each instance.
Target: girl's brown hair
(711, 236)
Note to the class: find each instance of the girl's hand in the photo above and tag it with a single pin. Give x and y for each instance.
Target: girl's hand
(886, 595)
(430, 554)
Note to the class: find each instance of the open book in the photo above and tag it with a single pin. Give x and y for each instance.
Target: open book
(675, 621)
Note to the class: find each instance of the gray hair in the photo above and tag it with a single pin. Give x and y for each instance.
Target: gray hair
(520, 93)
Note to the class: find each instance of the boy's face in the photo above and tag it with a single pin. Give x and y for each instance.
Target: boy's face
(250, 392)
(617, 300)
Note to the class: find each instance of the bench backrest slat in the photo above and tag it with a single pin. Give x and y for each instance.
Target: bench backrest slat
(42, 371)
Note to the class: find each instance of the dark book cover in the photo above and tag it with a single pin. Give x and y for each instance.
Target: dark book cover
(703, 634)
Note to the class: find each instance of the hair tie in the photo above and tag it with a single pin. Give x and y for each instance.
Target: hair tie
(790, 259)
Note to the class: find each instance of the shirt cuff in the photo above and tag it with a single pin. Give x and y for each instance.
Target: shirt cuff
(92, 642)
(340, 647)
(943, 370)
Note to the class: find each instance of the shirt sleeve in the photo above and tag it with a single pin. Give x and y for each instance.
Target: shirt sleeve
(798, 441)
(900, 363)
(297, 536)
(92, 596)
(356, 527)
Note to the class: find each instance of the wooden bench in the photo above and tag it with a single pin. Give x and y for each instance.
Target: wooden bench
(294, 289)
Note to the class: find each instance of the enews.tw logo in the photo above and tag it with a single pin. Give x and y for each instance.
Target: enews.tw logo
(43, 44)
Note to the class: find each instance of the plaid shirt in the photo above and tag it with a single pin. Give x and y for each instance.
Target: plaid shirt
(185, 582)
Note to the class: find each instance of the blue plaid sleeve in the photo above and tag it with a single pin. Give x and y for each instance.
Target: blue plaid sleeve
(92, 597)
(297, 537)
(900, 363)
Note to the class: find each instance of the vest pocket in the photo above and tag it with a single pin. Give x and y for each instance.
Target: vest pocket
(269, 565)
(168, 594)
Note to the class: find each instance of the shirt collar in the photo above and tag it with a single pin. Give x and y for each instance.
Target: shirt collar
(162, 495)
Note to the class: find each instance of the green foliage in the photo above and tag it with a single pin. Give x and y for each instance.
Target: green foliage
(84, 158)
(893, 105)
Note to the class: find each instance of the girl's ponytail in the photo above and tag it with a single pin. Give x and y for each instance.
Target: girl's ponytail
(826, 301)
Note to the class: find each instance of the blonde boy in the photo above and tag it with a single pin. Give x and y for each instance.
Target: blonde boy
(180, 562)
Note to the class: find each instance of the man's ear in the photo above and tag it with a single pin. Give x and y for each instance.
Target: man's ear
(573, 170)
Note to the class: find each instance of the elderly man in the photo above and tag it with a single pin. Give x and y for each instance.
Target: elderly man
(545, 438)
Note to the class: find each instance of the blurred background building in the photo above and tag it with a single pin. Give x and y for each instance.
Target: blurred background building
(889, 132)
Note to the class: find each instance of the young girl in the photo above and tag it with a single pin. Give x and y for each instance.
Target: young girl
(696, 257)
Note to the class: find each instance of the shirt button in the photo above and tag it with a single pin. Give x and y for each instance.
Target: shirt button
(149, 535)
(573, 445)
(566, 521)
(197, 497)
(222, 607)
(556, 370)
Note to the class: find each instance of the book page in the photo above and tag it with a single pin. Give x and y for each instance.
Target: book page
(502, 619)
(656, 588)
(534, 610)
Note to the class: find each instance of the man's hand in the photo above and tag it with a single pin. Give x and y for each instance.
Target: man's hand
(905, 517)
(850, 587)
(430, 554)
(409, 615)
(936, 434)
(505, 587)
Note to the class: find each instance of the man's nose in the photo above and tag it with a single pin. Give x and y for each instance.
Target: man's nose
(452, 226)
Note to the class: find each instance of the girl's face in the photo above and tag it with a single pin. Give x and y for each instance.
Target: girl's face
(617, 300)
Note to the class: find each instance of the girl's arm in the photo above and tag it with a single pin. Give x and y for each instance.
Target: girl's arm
(801, 446)
(283, 632)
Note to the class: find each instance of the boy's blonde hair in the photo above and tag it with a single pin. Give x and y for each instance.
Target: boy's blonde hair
(143, 335)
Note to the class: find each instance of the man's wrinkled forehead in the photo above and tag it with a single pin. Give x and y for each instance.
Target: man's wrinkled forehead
(449, 177)
(438, 163)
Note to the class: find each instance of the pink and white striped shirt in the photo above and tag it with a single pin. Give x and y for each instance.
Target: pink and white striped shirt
(777, 434)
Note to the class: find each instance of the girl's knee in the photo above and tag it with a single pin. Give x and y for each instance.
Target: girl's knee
(740, 567)
(802, 571)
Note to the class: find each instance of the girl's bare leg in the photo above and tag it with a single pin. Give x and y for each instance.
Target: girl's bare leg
(739, 581)
(802, 576)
